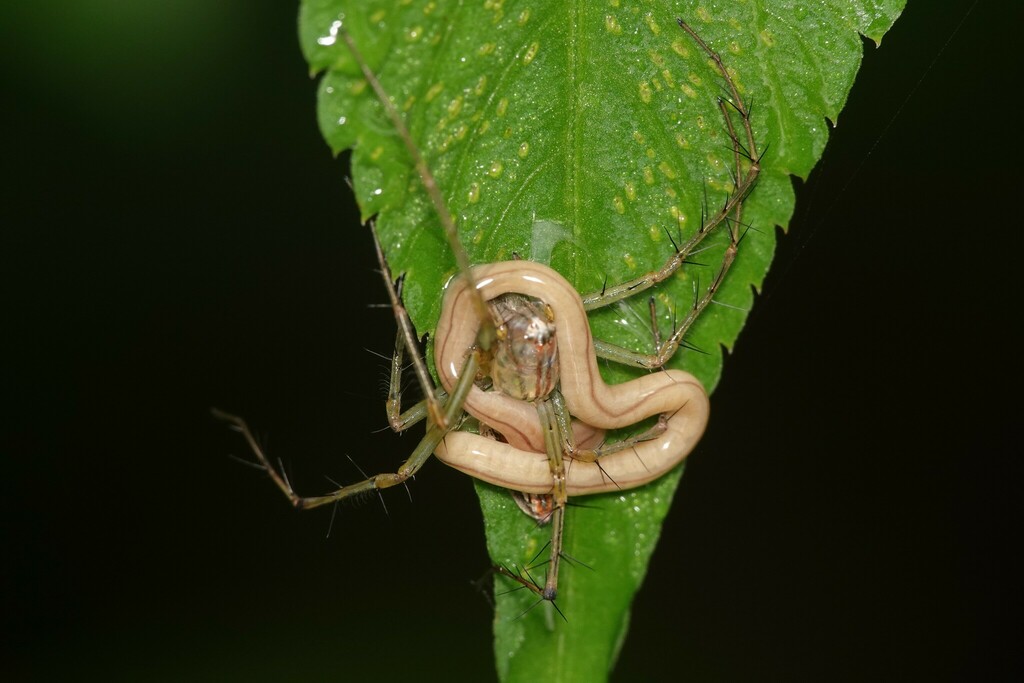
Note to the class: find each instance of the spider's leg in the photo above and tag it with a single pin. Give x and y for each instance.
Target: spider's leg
(729, 217)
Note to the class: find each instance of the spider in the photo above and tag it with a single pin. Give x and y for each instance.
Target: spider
(513, 349)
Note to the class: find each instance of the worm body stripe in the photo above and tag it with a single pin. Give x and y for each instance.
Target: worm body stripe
(522, 464)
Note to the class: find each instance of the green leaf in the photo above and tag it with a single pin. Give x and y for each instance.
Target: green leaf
(582, 135)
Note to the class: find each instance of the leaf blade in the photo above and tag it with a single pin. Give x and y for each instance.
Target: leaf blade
(576, 135)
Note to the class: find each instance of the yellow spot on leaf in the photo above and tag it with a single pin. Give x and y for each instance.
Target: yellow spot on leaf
(455, 106)
(680, 48)
(652, 24)
(531, 52)
(434, 91)
(645, 92)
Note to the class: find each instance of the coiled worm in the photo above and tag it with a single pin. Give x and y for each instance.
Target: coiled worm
(522, 463)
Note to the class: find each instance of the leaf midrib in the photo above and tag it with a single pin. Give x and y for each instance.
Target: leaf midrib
(574, 160)
(574, 156)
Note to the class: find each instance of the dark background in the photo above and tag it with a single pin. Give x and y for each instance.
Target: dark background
(176, 235)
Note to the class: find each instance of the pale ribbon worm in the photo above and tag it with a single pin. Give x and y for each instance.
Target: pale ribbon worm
(522, 464)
